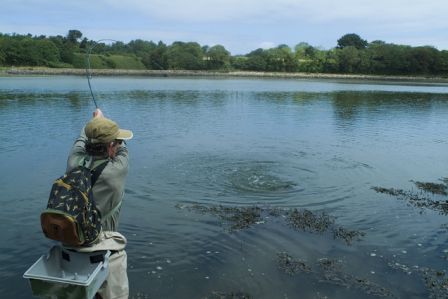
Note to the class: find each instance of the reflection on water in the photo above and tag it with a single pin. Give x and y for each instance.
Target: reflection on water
(348, 105)
(279, 145)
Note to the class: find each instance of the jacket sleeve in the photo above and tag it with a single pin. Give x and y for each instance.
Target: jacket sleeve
(77, 152)
(120, 163)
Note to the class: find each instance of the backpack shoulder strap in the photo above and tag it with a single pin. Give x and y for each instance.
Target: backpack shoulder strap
(97, 171)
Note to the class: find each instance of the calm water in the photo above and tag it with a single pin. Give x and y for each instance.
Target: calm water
(319, 145)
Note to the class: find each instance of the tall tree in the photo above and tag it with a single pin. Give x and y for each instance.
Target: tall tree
(187, 56)
(2, 57)
(442, 65)
(280, 59)
(256, 60)
(157, 58)
(217, 57)
(140, 46)
(304, 51)
(389, 59)
(84, 43)
(73, 36)
(424, 60)
(331, 62)
(2, 51)
(352, 40)
(349, 59)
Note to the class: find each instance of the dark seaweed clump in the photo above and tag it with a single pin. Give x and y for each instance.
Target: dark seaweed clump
(435, 281)
(330, 271)
(243, 217)
(231, 295)
(140, 295)
(433, 188)
(333, 273)
(291, 266)
(416, 199)
(306, 220)
(347, 235)
(238, 218)
(390, 191)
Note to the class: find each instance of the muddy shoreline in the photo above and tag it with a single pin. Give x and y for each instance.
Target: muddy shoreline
(39, 71)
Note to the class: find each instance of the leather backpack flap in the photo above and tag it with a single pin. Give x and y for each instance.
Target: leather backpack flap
(61, 228)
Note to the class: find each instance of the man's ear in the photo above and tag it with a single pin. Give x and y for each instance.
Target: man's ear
(109, 148)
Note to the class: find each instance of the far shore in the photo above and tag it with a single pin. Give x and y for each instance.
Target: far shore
(42, 71)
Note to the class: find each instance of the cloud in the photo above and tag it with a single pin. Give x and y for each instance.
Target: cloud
(244, 11)
(319, 11)
(242, 24)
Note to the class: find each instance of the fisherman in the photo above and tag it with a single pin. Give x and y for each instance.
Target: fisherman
(100, 143)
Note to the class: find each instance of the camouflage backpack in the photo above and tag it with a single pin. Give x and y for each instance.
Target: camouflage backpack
(71, 216)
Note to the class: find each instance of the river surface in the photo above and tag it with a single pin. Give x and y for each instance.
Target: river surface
(201, 145)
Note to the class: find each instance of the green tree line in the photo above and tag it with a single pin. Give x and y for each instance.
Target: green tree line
(351, 55)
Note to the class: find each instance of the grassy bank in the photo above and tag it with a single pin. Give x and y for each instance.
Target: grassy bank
(42, 71)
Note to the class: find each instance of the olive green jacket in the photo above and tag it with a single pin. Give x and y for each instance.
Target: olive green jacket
(108, 190)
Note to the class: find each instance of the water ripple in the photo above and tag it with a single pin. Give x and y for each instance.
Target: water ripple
(215, 178)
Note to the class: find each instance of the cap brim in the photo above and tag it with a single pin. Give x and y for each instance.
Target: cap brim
(124, 134)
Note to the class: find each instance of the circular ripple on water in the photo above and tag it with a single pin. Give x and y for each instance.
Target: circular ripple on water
(259, 177)
(235, 181)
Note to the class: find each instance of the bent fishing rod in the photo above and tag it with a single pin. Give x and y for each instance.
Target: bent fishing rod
(88, 70)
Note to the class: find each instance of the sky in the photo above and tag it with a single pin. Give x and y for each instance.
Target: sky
(240, 26)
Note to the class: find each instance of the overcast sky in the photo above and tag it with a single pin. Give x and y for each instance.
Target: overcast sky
(239, 25)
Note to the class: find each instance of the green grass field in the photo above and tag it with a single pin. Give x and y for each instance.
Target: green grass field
(121, 62)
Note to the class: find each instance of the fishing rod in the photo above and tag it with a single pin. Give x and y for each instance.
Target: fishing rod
(88, 70)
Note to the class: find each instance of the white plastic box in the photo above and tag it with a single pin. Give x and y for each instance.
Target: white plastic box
(64, 273)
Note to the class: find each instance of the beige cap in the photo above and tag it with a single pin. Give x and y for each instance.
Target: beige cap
(104, 130)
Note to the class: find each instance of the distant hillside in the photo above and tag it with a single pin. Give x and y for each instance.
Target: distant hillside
(351, 56)
(109, 61)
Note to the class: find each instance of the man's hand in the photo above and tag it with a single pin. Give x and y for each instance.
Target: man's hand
(98, 113)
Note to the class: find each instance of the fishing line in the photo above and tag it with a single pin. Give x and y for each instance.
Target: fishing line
(88, 70)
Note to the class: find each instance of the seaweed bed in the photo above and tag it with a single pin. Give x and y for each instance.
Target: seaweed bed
(330, 271)
(433, 188)
(237, 218)
(230, 295)
(418, 199)
(435, 281)
(213, 295)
